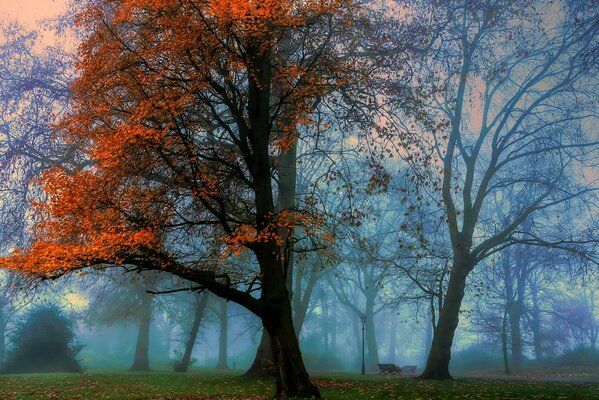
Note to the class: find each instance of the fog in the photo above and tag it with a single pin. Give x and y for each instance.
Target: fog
(433, 202)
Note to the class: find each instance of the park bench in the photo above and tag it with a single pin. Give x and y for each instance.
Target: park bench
(388, 369)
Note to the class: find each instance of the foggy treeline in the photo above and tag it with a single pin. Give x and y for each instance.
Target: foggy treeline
(451, 176)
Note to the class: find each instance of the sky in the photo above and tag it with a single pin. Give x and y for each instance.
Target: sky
(28, 12)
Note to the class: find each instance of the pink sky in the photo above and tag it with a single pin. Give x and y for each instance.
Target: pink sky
(30, 11)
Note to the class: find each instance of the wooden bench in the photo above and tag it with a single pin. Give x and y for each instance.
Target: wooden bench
(409, 369)
(388, 369)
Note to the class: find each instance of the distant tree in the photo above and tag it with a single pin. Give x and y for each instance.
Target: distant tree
(223, 333)
(120, 299)
(33, 94)
(200, 301)
(44, 342)
(514, 97)
(575, 317)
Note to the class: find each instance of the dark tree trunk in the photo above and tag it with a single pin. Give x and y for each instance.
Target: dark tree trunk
(292, 377)
(198, 313)
(223, 335)
(141, 361)
(429, 335)
(262, 366)
(516, 335)
(504, 351)
(371, 343)
(437, 364)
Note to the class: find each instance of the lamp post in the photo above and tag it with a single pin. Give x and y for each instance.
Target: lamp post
(363, 318)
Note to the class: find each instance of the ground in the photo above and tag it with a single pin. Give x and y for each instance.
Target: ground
(219, 385)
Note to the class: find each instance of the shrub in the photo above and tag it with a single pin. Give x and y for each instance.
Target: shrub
(44, 342)
(475, 358)
(580, 356)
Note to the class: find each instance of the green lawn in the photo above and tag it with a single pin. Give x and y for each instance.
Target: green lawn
(210, 385)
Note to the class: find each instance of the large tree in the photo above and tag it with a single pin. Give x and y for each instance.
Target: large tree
(180, 110)
(512, 87)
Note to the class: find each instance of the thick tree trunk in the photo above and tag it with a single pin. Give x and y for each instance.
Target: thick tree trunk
(437, 364)
(141, 361)
(198, 314)
(223, 335)
(515, 313)
(262, 366)
(292, 377)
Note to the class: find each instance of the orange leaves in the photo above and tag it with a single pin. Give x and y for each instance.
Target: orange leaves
(50, 257)
(258, 18)
(275, 231)
(89, 218)
(168, 129)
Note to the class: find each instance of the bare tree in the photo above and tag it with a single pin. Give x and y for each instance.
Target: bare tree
(515, 97)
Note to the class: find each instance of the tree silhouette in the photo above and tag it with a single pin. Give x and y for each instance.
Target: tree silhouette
(44, 342)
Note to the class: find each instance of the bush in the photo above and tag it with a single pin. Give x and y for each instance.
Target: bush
(323, 363)
(580, 356)
(44, 342)
(475, 358)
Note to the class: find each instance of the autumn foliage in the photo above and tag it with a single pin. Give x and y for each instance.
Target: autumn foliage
(161, 123)
(179, 114)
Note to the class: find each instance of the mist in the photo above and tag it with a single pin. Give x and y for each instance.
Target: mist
(394, 188)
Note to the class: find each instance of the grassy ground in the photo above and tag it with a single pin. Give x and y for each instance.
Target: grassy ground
(211, 385)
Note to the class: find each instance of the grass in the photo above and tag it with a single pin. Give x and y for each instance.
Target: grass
(213, 385)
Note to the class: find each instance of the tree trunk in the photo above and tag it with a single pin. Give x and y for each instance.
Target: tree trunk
(437, 364)
(292, 377)
(515, 314)
(371, 344)
(223, 335)
(141, 361)
(506, 363)
(535, 323)
(198, 313)
(301, 299)
(262, 366)
(429, 335)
